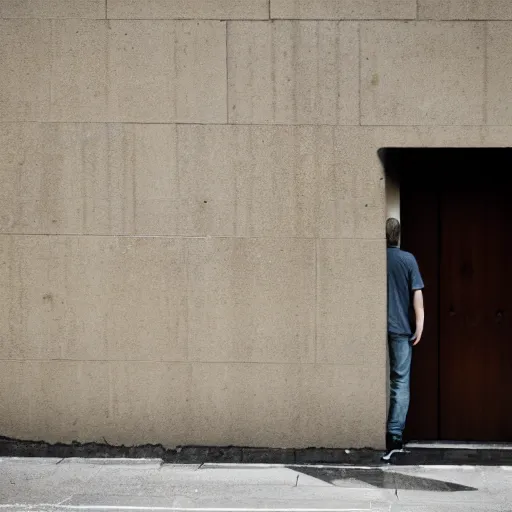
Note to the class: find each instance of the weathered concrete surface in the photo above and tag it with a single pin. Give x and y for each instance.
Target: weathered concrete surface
(186, 9)
(97, 70)
(93, 298)
(199, 403)
(94, 9)
(139, 71)
(350, 274)
(422, 73)
(256, 181)
(293, 72)
(250, 280)
(78, 484)
(128, 179)
(84, 178)
(343, 9)
(499, 70)
(279, 181)
(465, 9)
(25, 57)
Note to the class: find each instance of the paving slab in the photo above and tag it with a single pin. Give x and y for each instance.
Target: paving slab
(51, 485)
(34, 483)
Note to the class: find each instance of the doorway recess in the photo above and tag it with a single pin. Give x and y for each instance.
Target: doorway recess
(456, 216)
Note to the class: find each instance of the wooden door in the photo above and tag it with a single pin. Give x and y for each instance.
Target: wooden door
(475, 346)
(420, 236)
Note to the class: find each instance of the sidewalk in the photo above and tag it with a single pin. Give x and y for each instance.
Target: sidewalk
(39, 484)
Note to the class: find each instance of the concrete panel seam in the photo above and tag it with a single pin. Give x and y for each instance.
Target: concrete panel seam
(338, 71)
(60, 18)
(192, 123)
(227, 72)
(222, 19)
(107, 69)
(316, 301)
(275, 125)
(420, 22)
(50, 101)
(177, 167)
(106, 9)
(320, 20)
(269, 125)
(190, 363)
(363, 20)
(273, 73)
(452, 20)
(486, 74)
(190, 237)
(360, 56)
(65, 18)
(187, 311)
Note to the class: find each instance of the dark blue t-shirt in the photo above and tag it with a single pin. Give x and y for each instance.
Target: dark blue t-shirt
(403, 279)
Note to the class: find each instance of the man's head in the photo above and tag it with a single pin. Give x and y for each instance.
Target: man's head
(393, 231)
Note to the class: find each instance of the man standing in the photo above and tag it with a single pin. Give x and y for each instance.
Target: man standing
(405, 287)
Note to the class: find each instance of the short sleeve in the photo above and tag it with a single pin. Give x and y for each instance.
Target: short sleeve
(415, 276)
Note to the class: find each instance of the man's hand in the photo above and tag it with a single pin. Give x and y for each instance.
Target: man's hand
(419, 311)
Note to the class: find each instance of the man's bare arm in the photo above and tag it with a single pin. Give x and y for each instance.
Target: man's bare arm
(419, 311)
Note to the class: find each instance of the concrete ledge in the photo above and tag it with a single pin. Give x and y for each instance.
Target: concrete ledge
(232, 454)
(268, 456)
(338, 456)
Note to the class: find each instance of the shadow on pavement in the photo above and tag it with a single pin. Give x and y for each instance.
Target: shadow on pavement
(381, 479)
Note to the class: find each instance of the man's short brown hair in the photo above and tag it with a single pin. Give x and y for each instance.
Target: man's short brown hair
(393, 231)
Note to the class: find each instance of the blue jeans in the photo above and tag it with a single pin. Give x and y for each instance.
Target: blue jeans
(400, 356)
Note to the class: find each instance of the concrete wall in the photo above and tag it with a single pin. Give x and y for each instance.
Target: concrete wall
(192, 207)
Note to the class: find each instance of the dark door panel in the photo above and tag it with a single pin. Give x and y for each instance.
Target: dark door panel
(420, 236)
(476, 348)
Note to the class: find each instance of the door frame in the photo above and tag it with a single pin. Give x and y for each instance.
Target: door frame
(421, 218)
